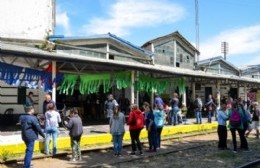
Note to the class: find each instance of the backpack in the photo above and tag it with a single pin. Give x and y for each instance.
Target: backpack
(235, 119)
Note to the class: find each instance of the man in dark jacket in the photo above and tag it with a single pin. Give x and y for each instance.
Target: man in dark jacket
(30, 130)
(76, 130)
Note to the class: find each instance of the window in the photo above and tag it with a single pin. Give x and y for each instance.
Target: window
(181, 58)
(171, 60)
(188, 59)
(111, 57)
(177, 64)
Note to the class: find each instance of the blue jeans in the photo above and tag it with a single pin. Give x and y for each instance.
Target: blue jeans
(198, 117)
(209, 116)
(28, 154)
(158, 137)
(118, 142)
(51, 132)
(175, 115)
(152, 139)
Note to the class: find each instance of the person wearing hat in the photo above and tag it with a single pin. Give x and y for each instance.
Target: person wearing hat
(30, 129)
(76, 130)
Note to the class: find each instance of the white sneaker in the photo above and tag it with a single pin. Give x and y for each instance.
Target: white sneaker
(73, 160)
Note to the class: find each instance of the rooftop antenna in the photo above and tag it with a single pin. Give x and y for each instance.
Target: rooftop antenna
(197, 26)
(224, 49)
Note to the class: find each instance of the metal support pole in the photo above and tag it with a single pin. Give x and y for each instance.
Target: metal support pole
(132, 87)
(53, 77)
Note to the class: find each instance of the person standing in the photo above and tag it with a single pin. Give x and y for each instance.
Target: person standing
(29, 100)
(198, 107)
(110, 103)
(209, 108)
(158, 100)
(76, 131)
(255, 111)
(117, 129)
(222, 128)
(151, 128)
(30, 130)
(52, 120)
(136, 124)
(159, 122)
(175, 108)
(47, 101)
(236, 114)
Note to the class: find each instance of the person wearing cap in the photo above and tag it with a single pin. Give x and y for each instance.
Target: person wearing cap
(76, 130)
(30, 130)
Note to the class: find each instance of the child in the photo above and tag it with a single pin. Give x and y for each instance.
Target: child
(222, 128)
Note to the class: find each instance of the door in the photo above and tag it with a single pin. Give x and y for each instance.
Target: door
(208, 91)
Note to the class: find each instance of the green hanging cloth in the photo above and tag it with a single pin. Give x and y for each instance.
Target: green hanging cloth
(181, 84)
(68, 84)
(149, 84)
(123, 80)
(91, 83)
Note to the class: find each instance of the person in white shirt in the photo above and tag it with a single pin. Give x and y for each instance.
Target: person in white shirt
(51, 128)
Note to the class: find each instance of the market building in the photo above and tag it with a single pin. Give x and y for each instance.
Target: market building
(81, 71)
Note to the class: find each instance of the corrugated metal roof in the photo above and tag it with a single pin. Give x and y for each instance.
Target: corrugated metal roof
(41, 54)
(216, 59)
(172, 34)
(250, 68)
(103, 36)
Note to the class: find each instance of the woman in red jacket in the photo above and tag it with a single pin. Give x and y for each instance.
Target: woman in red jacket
(136, 124)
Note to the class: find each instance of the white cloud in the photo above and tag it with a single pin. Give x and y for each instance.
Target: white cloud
(127, 14)
(62, 19)
(241, 41)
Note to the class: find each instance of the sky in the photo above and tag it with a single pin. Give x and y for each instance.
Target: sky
(236, 22)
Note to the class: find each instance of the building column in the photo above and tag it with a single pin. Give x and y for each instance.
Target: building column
(107, 54)
(53, 84)
(133, 87)
(245, 92)
(184, 97)
(218, 92)
(193, 90)
(153, 50)
(175, 53)
(152, 100)
(137, 92)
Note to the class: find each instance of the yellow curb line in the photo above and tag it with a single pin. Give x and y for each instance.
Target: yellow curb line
(96, 139)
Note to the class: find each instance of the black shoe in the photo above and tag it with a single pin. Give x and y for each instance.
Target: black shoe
(141, 153)
(132, 153)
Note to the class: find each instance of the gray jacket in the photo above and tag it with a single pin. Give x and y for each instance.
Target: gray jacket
(117, 124)
(52, 119)
(75, 126)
